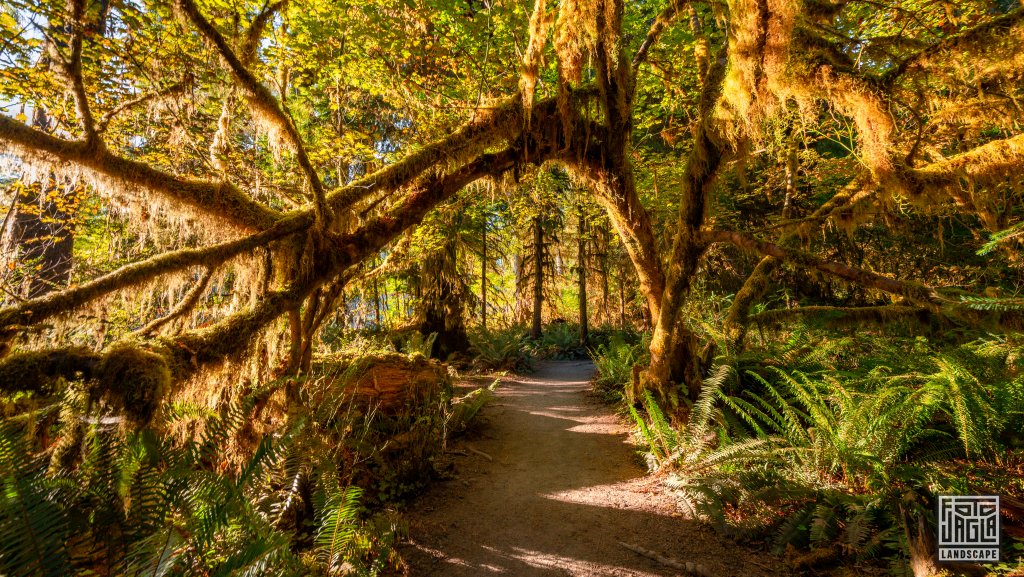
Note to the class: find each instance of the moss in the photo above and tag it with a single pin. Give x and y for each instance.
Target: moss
(39, 371)
(133, 381)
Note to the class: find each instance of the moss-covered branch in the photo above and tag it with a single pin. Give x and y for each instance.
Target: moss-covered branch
(219, 200)
(192, 351)
(1002, 28)
(265, 107)
(911, 290)
(879, 314)
(36, 310)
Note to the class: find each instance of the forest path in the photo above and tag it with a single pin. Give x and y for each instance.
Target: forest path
(561, 489)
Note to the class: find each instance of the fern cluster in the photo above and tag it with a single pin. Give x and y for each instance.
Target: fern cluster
(832, 456)
(614, 362)
(108, 499)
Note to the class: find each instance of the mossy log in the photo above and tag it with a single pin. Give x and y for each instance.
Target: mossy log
(391, 384)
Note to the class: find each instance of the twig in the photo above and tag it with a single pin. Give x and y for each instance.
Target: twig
(688, 567)
(481, 453)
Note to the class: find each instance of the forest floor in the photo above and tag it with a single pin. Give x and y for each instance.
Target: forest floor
(548, 485)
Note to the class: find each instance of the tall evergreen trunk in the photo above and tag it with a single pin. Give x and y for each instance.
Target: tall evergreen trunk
(538, 277)
(622, 300)
(483, 277)
(40, 232)
(606, 315)
(40, 237)
(581, 266)
(443, 303)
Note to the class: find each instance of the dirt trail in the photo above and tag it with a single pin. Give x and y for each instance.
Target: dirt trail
(561, 489)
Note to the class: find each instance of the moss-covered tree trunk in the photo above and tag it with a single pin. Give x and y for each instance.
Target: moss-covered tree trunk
(442, 306)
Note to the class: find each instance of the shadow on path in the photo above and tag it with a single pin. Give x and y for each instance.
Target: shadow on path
(561, 490)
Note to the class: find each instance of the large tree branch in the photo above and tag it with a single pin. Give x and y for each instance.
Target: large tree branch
(876, 314)
(983, 165)
(702, 167)
(39, 309)
(911, 290)
(218, 199)
(192, 351)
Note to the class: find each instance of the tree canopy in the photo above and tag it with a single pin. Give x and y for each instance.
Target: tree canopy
(272, 148)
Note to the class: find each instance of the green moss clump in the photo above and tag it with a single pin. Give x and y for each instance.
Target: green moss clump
(134, 381)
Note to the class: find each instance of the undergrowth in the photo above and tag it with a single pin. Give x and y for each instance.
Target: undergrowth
(839, 448)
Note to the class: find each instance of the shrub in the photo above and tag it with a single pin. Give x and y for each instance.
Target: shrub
(560, 341)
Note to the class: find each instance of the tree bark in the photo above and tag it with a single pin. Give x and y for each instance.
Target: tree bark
(706, 158)
(581, 266)
(41, 234)
(536, 331)
(483, 276)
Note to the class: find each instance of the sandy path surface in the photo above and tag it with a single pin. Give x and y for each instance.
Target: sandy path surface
(560, 491)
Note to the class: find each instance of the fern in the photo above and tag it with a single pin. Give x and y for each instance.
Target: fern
(33, 527)
(338, 527)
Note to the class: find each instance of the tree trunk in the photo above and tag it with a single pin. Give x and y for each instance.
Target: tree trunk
(442, 305)
(483, 277)
(705, 160)
(581, 265)
(921, 542)
(538, 277)
(41, 238)
(622, 300)
(41, 230)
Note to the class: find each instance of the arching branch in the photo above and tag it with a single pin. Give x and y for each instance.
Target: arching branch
(194, 350)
